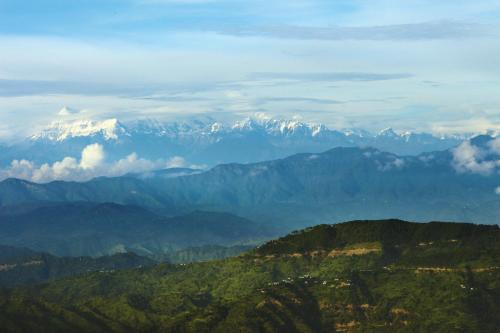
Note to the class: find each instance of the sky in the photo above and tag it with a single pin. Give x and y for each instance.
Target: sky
(416, 65)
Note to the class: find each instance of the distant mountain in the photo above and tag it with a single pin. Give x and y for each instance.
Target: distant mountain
(75, 229)
(209, 142)
(123, 190)
(21, 266)
(306, 189)
(361, 276)
(109, 129)
(351, 183)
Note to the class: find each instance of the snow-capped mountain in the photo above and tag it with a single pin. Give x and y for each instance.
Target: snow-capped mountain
(388, 133)
(109, 129)
(211, 142)
(113, 129)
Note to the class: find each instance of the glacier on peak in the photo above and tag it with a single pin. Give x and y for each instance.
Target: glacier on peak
(207, 141)
(113, 129)
(110, 129)
(388, 132)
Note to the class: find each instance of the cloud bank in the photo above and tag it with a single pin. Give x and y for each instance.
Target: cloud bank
(474, 159)
(92, 164)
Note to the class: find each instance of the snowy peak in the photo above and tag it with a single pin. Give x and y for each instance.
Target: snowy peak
(109, 129)
(247, 124)
(283, 127)
(357, 132)
(388, 133)
(209, 142)
(216, 127)
(148, 127)
(278, 132)
(279, 127)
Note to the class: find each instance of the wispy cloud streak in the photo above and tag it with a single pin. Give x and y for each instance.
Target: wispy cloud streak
(414, 31)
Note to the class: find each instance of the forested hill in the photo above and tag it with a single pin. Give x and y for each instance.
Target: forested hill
(364, 276)
(389, 233)
(20, 266)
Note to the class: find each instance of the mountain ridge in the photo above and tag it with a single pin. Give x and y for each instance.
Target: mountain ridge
(209, 142)
(339, 184)
(22, 266)
(112, 128)
(96, 229)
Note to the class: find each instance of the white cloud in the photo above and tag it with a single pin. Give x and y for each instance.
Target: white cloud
(67, 111)
(470, 158)
(92, 156)
(92, 164)
(399, 163)
(66, 169)
(410, 32)
(132, 163)
(469, 125)
(180, 162)
(394, 163)
(495, 145)
(177, 162)
(497, 190)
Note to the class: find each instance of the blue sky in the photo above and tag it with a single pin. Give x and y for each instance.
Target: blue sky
(413, 65)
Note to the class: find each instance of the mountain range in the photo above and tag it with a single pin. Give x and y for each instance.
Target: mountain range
(459, 184)
(88, 229)
(364, 276)
(209, 142)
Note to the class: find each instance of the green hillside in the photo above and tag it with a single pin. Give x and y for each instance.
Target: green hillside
(364, 276)
(20, 266)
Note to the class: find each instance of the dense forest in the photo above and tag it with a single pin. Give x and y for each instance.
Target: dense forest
(362, 276)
